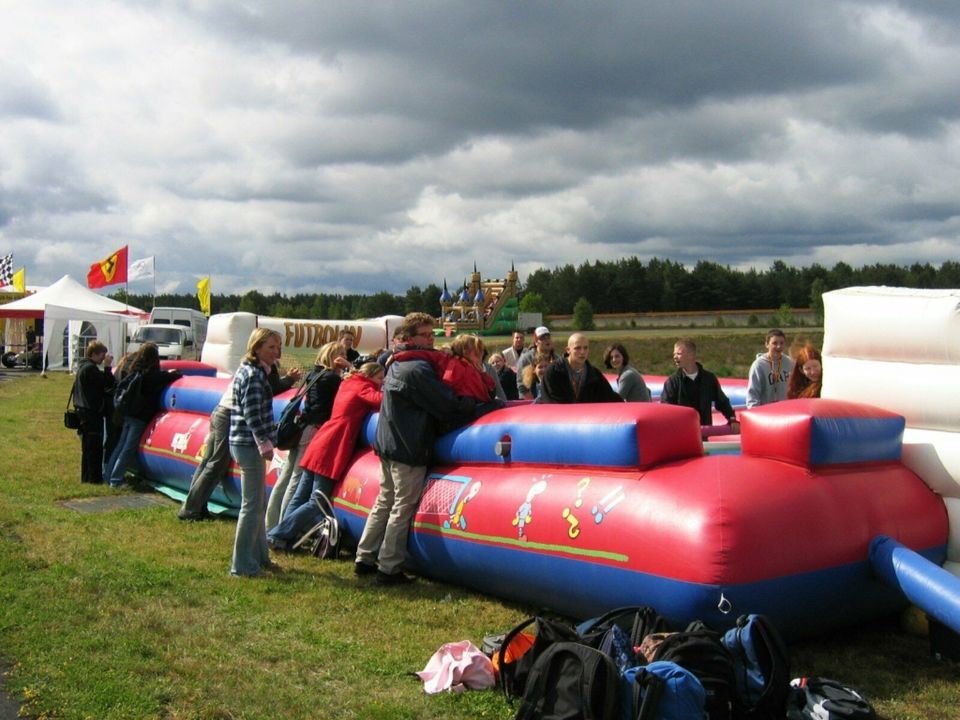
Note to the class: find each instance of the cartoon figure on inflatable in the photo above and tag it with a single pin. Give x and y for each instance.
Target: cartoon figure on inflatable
(585, 508)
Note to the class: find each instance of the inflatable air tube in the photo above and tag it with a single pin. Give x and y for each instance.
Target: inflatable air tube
(189, 367)
(928, 586)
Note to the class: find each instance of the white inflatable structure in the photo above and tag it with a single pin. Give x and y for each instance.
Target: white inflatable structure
(227, 335)
(900, 349)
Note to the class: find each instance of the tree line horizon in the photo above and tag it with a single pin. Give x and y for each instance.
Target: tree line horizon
(621, 286)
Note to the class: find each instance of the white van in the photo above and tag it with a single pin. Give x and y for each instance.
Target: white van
(185, 317)
(179, 333)
(174, 342)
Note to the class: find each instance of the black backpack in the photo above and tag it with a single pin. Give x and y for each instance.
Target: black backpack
(761, 668)
(290, 426)
(571, 681)
(699, 650)
(512, 676)
(823, 699)
(635, 620)
(128, 394)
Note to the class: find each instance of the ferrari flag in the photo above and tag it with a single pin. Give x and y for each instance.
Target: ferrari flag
(203, 295)
(20, 280)
(110, 271)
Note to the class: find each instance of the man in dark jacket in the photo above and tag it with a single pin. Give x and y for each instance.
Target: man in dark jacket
(572, 379)
(694, 387)
(416, 406)
(89, 395)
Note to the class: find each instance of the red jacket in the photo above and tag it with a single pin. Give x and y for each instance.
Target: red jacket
(331, 449)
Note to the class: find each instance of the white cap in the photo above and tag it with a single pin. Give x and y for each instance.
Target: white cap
(541, 331)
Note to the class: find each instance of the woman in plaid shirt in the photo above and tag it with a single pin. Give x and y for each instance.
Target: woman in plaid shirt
(253, 435)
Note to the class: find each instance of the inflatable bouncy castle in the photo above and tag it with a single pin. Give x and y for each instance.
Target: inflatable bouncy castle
(818, 522)
(227, 335)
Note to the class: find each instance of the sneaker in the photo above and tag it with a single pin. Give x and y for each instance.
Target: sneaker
(362, 568)
(280, 546)
(395, 579)
(192, 517)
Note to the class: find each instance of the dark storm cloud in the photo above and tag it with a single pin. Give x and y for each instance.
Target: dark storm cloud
(355, 147)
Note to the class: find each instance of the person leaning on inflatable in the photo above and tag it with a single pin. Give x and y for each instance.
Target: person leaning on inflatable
(572, 379)
(770, 371)
(415, 404)
(694, 387)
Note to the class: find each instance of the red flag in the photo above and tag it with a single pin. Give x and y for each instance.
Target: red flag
(110, 271)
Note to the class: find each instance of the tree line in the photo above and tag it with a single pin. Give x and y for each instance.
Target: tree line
(625, 285)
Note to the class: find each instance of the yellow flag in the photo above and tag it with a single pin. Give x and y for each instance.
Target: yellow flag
(203, 294)
(20, 280)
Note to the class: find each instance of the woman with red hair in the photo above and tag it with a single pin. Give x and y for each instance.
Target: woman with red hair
(807, 374)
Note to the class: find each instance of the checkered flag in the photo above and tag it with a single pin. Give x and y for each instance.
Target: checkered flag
(6, 269)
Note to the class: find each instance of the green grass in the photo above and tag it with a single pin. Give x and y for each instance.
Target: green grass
(131, 614)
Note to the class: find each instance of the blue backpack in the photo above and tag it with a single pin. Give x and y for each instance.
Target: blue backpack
(761, 668)
(662, 690)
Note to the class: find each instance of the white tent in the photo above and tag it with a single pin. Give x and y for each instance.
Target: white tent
(65, 292)
(110, 330)
(72, 304)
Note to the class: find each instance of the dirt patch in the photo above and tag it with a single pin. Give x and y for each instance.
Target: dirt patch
(111, 503)
(9, 707)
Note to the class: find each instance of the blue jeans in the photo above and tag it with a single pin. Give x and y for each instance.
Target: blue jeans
(303, 516)
(250, 553)
(125, 453)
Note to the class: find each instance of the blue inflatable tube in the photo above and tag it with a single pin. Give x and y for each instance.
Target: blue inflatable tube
(926, 585)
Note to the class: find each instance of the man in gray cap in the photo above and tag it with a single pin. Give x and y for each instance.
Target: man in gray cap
(542, 343)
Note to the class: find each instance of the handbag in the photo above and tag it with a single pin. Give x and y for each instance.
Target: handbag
(289, 427)
(71, 417)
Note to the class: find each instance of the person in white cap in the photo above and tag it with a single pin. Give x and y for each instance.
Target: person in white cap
(542, 343)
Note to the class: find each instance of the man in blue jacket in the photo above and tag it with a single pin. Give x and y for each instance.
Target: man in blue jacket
(416, 407)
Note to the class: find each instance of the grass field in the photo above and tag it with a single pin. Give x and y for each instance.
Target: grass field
(131, 614)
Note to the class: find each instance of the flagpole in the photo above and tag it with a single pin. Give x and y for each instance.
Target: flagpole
(154, 281)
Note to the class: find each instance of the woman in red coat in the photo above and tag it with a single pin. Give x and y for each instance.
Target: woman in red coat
(327, 456)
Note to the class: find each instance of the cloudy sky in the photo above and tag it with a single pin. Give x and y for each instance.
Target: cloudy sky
(366, 146)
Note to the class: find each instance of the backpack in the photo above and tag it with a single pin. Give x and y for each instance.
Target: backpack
(513, 673)
(761, 667)
(636, 621)
(662, 691)
(323, 539)
(823, 699)
(128, 395)
(699, 650)
(289, 427)
(571, 680)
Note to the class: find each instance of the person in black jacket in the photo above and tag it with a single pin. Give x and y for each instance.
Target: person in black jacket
(416, 405)
(694, 387)
(506, 376)
(572, 379)
(324, 381)
(140, 411)
(90, 393)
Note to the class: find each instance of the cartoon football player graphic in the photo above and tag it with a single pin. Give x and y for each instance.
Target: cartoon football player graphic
(525, 511)
(456, 517)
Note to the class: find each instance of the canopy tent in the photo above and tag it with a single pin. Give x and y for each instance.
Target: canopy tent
(65, 292)
(72, 304)
(110, 330)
